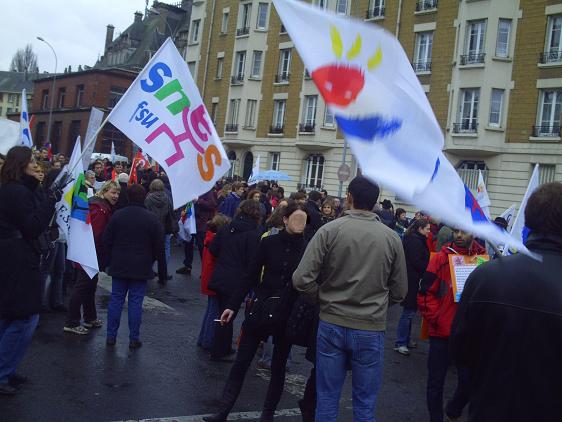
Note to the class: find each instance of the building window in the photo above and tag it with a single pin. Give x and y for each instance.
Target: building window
(284, 65)
(376, 9)
(262, 16)
(73, 131)
(79, 95)
(195, 31)
(321, 3)
(422, 5)
(502, 42)
(45, 99)
(474, 51)
(192, 68)
(468, 111)
(214, 112)
(224, 23)
(329, 118)
(309, 113)
(553, 51)
(244, 19)
(468, 172)
(278, 116)
(424, 46)
(341, 7)
(549, 113)
(251, 107)
(547, 173)
(12, 98)
(274, 158)
(61, 97)
(56, 136)
(256, 64)
(496, 102)
(232, 158)
(240, 64)
(232, 124)
(115, 94)
(40, 133)
(314, 172)
(220, 62)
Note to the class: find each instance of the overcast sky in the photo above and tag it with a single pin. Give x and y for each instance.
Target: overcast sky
(75, 28)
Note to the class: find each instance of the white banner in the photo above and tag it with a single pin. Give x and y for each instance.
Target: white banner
(482, 195)
(96, 117)
(9, 135)
(163, 113)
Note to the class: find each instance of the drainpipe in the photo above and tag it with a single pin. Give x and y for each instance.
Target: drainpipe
(398, 18)
(208, 50)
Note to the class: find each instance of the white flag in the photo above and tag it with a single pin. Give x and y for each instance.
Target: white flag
(163, 113)
(10, 135)
(96, 116)
(482, 195)
(509, 216)
(255, 172)
(112, 153)
(24, 122)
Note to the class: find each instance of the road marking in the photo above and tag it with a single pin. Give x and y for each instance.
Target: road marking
(294, 383)
(232, 417)
(149, 304)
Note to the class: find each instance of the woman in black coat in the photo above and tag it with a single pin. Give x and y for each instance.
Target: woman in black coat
(270, 276)
(23, 218)
(234, 246)
(417, 258)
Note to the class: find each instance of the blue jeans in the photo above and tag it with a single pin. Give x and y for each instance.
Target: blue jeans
(167, 239)
(337, 346)
(15, 336)
(119, 290)
(404, 327)
(207, 332)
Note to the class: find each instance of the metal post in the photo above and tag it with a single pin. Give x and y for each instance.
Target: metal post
(343, 156)
(52, 93)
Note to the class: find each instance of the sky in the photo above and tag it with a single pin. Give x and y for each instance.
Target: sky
(75, 28)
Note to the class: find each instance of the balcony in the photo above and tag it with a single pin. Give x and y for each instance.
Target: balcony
(472, 58)
(465, 127)
(237, 79)
(283, 30)
(546, 131)
(423, 5)
(306, 128)
(242, 31)
(282, 77)
(377, 12)
(550, 57)
(420, 67)
(231, 128)
(276, 129)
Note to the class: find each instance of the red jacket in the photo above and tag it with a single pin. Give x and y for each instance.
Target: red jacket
(100, 213)
(208, 264)
(435, 298)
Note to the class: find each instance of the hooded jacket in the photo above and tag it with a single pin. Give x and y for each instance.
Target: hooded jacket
(158, 203)
(417, 258)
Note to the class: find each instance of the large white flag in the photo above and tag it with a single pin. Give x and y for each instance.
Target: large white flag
(10, 135)
(163, 113)
(366, 79)
(96, 116)
(255, 172)
(509, 216)
(24, 122)
(482, 195)
(73, 217)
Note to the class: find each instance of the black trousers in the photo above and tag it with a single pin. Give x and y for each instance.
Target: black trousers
(188, 249)
(222, 341)
(247, 350)
(438, 362)
(83, 296)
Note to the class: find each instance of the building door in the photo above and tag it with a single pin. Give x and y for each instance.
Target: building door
(248, 164)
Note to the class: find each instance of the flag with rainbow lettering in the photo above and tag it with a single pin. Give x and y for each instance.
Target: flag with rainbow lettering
(367, 81)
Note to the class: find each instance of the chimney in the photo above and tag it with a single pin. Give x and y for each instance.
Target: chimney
(138, 17)
(108, 37)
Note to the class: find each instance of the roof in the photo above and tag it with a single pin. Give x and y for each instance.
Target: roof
(16, 81)
(115, 70)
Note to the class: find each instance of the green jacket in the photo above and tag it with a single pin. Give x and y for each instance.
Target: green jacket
(354, 266)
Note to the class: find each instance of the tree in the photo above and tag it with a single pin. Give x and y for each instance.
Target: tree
(25, 60)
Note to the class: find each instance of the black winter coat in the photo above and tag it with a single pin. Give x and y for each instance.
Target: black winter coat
(234, 246)
(417, 258)
(22, 219)
(133, 240)
(508, 332)
(314, 220)
(278, 257)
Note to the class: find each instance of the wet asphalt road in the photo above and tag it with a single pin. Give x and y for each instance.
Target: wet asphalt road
(76, 378)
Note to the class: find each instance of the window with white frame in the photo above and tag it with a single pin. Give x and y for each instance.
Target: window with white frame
(553, 39)
(309, 110)
(549, 112)
(214, 112)
(468, 110)
(502, 42)
(232, 158)
(256, 64)
(239, 65)
(261, 22)
(192, 68)
(496, 103)
(468, 171)
(547, 173)
(424, 47)
(251, 106)
(474, 51)
(314, 171)
(233, 112)
(376, 9)
(245, 15)
(224, 23)
(284, 64)
(341, 7)
(274, 158)
(329, 118)
(279, 113)
(195, 25)
(321, 3)
(220, 63)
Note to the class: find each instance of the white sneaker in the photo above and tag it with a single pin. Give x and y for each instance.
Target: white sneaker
(403, 350)
(76, 330)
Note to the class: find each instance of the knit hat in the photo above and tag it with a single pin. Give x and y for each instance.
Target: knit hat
(123, 178)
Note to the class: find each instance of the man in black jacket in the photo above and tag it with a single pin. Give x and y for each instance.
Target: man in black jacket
(133, 239)
(314, 214)
(508, 327)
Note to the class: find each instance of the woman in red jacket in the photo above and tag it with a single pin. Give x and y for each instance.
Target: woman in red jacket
(207, 331)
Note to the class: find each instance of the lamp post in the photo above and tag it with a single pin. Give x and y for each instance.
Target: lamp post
(52, 91)
(156, 12)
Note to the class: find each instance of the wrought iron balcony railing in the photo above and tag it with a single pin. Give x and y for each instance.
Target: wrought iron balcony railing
(424, 66)
(546, 131)
(242, 31)
(282, 77)
(422, 5)
(231, 127)
(465, 127)
(278, 128)
(550, 57)
(472, 58)
(306, 127)
(237, 79)
(376, 12)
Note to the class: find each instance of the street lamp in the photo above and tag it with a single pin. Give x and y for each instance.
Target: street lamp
(156, 12)
(52, 91)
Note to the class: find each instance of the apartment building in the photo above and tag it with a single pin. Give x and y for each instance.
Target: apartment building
(492, 70)
(11, 86)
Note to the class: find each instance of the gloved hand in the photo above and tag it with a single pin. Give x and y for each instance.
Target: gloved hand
(56, 189)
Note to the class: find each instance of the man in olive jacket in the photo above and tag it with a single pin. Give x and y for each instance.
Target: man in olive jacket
(356, 268)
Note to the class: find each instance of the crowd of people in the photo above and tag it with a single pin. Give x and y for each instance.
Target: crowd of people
(307, 269)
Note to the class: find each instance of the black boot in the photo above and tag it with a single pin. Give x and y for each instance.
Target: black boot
(307, 411)
(267, 416)
(229, 396)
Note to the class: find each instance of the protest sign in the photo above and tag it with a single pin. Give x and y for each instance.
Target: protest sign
(461, 267)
